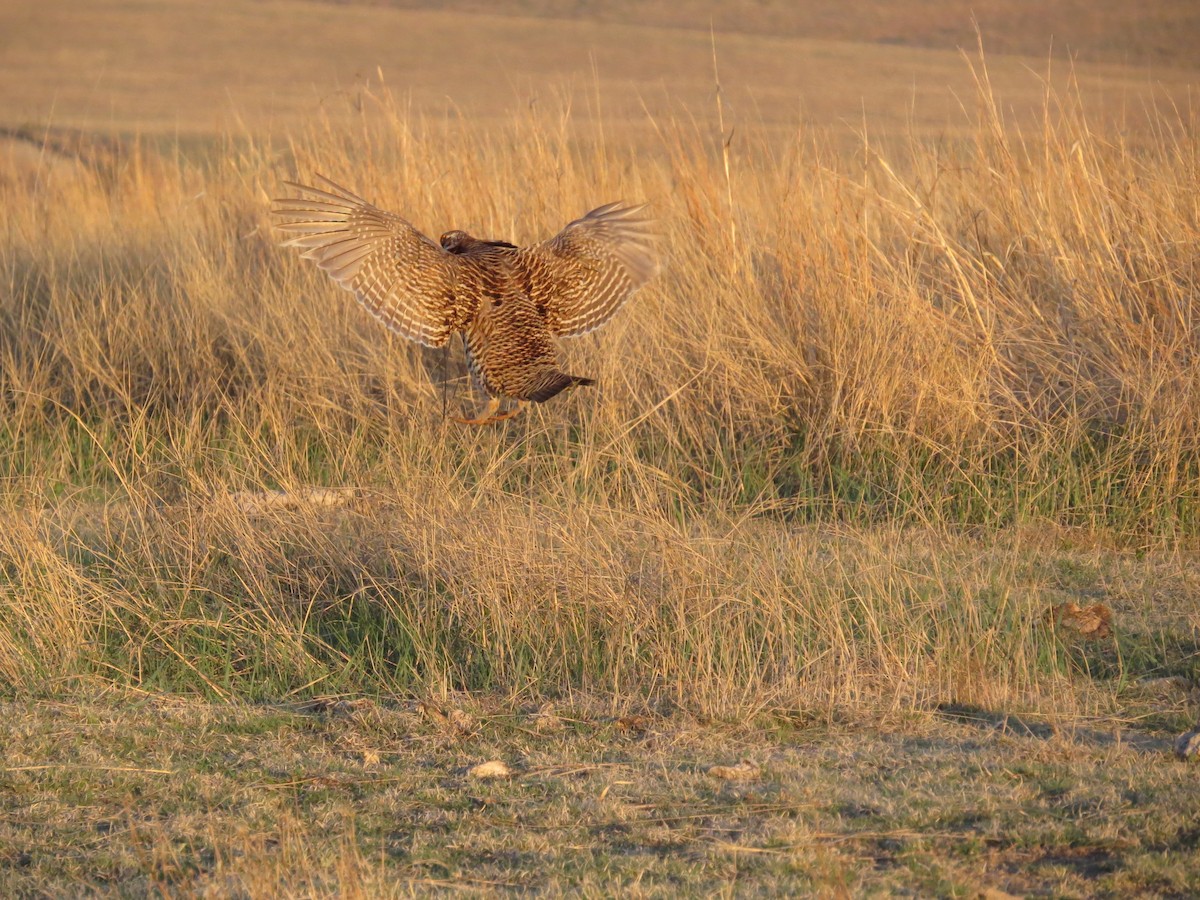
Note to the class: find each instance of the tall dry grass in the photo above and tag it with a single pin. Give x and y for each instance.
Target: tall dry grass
(846, 358)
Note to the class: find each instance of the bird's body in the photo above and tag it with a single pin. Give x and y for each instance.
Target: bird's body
(510, 348)
(510, 303)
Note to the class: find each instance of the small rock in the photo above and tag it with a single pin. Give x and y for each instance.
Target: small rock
(432, 713)
(462, 722)
(632, 724)
(494, 768)
(455, 721)
(1187, 745)
(545, 721)
(743, 771)
(337, 708)
(1092, 623)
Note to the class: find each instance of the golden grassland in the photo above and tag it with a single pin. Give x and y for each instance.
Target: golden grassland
(986, 334)
(880, 412)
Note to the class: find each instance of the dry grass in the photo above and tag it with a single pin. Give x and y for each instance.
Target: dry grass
(878, 415)
(134, 795)
(987, 334)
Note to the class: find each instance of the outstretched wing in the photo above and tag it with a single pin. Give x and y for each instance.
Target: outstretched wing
(402, 277)
(584, 274)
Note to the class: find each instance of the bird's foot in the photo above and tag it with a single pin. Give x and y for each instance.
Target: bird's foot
(491, 414)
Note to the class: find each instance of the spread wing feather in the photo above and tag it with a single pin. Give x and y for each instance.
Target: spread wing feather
(398, 274)
(586, 272)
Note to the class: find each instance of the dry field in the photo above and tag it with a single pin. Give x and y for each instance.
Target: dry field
(186, 71)
(920, 369)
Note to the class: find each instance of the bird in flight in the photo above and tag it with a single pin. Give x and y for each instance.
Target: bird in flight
(509, 302)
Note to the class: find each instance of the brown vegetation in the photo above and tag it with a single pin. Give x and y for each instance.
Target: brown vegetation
(986, 333)
(881, 410)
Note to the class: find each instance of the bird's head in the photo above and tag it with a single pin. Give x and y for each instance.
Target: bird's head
(455, 241)
(460, 242)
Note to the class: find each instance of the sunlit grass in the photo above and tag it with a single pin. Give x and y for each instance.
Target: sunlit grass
(847, 363)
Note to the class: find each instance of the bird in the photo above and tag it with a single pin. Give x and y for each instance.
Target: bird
(509, 303)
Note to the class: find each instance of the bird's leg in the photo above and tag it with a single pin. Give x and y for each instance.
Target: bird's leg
(493, 405)
(491, 415)
(521, 404)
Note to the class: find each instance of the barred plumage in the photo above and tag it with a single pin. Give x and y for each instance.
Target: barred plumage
(509, 302)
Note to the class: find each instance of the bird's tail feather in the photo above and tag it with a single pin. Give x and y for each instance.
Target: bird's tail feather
(556, 383)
